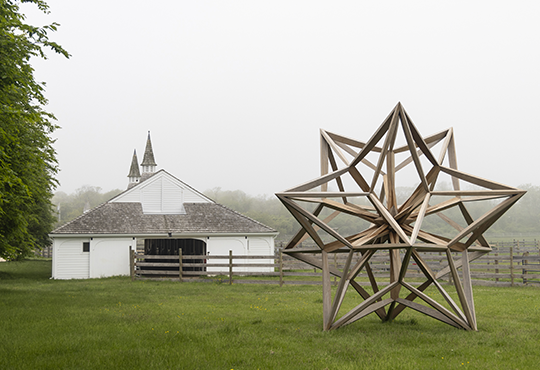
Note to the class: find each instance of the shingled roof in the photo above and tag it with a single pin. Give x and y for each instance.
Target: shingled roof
(128, 218)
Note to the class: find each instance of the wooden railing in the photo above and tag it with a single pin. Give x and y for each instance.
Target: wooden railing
(505, 266)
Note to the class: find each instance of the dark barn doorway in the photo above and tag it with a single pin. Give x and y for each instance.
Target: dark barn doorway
(170, 247)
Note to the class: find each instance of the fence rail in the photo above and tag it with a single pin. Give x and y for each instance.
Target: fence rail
(517, 264)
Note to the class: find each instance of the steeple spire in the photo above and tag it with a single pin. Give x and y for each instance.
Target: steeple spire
(134, 173)
(148, 163)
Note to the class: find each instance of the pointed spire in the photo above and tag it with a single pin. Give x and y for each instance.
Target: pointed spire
(134, 173)
(134, 169)
(148, 163)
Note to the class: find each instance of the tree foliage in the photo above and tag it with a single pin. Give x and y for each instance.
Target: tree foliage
(70, 206)
(27, 157)
(267, 210)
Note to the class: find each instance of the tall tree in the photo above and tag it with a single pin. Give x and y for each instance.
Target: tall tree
(27, 157)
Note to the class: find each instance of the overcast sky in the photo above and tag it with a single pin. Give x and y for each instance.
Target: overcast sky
(234, 92)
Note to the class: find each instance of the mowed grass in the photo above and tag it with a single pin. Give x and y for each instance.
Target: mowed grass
(118, 324)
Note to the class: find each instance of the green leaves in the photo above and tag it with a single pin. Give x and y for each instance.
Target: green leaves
(27, 157)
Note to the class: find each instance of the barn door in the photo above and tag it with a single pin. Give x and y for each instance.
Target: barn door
(170, 247)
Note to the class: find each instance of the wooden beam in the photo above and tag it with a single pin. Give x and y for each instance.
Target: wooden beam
(374, 139)
(476, 180)
(414, 155)
(327, 292)
(389, 218)
(342, 287)
(467, 288)
(459, 288)
(344, 320)
(420, 218)
(317, 221)
(427, 311)
(418, 139)
(299, 236)
(486, 219)
(387, 147)
(324, 160)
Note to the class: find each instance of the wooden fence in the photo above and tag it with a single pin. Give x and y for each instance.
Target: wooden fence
(45, 252)
(516, 264)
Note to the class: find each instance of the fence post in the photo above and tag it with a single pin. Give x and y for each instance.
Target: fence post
(450, 279)
(496, 270)
(180, 267)
(336, 266)
(230, 267)
(512, 265)
(524, 263)
(280, 267)
(132, 264)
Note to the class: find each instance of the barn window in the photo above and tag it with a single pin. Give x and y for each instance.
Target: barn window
(86, 246)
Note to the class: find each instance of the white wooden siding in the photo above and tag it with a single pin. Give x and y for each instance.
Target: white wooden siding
(220, 246)
(261, 246)
(240, 245)
(69, 260)
(110, 256)
(152, 197)
(172, 198)
(162, 194)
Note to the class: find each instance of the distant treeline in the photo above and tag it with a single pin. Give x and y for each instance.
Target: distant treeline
(70, 206)
(523, 219)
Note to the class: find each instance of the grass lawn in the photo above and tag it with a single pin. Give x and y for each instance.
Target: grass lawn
(118, 324)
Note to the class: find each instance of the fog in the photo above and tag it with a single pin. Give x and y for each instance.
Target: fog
(234, 92)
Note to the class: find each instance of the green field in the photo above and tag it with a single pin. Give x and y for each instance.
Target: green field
(118, 324)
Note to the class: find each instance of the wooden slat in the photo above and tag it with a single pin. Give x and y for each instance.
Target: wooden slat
(327, 293)
(389, 218)
(372, 142)
(437, 306)
(467, 288)
(344, 320)
(387, 147)
(420, 218)
(370, 309)
(459, 289)
(427, 311)
(418, 138)
(342, 288)
(302, 212)
(476, 180)
(330, 144)
(414, 155)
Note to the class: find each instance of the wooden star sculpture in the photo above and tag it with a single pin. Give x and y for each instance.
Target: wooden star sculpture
(351, 171)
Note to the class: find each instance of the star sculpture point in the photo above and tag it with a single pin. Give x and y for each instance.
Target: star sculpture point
(368, 170)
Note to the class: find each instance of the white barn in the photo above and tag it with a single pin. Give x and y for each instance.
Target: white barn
(167, 214)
